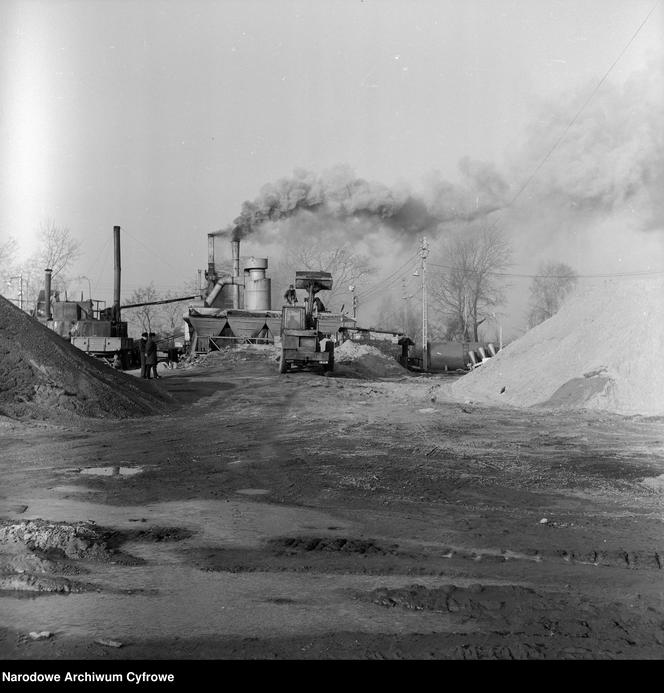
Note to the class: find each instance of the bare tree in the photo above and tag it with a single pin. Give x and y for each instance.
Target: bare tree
(144, 318)
(8, 251)
(57, 249)
(346, 267)
(171, 314)
(466, 285)
(401, 310)
(548, 290)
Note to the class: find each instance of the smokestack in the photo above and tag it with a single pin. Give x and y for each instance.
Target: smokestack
(116, 274)
(211, 271)
(47, 293)
(235, 251)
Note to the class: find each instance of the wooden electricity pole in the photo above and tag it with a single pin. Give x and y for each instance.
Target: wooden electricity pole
(424, 251)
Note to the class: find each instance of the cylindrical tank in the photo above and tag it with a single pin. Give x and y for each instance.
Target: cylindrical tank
(227, 299)
(450, 355)
(257, 287)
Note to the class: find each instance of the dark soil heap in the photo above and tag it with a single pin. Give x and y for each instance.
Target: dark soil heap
(43, 376)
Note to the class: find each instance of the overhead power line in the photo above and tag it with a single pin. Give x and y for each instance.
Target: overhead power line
(553, 276)
(580, 111)
(387, 281)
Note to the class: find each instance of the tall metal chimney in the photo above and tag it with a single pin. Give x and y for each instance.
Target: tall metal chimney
(116, 274)
(211, 270)
(235, 252)
(47, 293)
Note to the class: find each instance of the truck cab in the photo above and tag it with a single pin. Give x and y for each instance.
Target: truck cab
(301, 341)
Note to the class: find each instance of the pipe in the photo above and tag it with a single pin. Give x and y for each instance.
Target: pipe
(116, 274)
(47, 293)
(221, 282)
(158, 303)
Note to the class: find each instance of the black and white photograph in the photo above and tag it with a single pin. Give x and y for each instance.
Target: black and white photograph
(398, 266)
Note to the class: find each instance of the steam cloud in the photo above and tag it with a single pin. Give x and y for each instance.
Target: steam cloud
(595, 203)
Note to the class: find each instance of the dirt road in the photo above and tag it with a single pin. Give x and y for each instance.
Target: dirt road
(303, 516)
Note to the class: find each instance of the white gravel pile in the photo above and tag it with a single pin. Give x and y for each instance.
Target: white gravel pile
(368, 361)
(601, 351)
(351, 351)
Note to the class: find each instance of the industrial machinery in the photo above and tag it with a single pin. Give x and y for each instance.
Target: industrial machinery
(237, 305)
(302, 343)
(97, 331)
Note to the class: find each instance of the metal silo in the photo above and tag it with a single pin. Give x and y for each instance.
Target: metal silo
(257, 287)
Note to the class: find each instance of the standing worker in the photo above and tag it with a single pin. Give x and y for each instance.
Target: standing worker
(151, 356)
(291, 295)
(319, 307)
(141, 352)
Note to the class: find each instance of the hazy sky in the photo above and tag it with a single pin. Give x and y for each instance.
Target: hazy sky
(163, 116)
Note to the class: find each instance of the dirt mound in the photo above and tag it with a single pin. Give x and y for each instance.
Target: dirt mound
(75, 541)
(345, 545)
(367, 361)
(474, 599)
(601, 352)
(40, 583)
(43, 376)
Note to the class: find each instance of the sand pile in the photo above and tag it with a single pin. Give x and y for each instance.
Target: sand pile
(602, 351)
(367, 361)
(232, 354)
(43, 376)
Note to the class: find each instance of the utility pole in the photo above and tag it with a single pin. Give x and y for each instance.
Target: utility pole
(405, 298)
(424, 251)
(352, 290)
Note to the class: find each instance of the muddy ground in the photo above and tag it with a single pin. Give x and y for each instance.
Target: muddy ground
(312, 517)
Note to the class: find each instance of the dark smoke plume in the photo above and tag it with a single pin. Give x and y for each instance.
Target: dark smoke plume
(339, 194)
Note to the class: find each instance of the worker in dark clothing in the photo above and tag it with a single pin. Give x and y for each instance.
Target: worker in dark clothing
(151, 356)
(318, 306)
(291, 296)
(141, 352)
(405, 343)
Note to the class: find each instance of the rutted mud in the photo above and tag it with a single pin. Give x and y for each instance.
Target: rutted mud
(293, 545)
(386, 533)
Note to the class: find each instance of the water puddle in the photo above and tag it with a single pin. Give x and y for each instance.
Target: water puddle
(65, 488)
(112, 471)
(253, 491)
